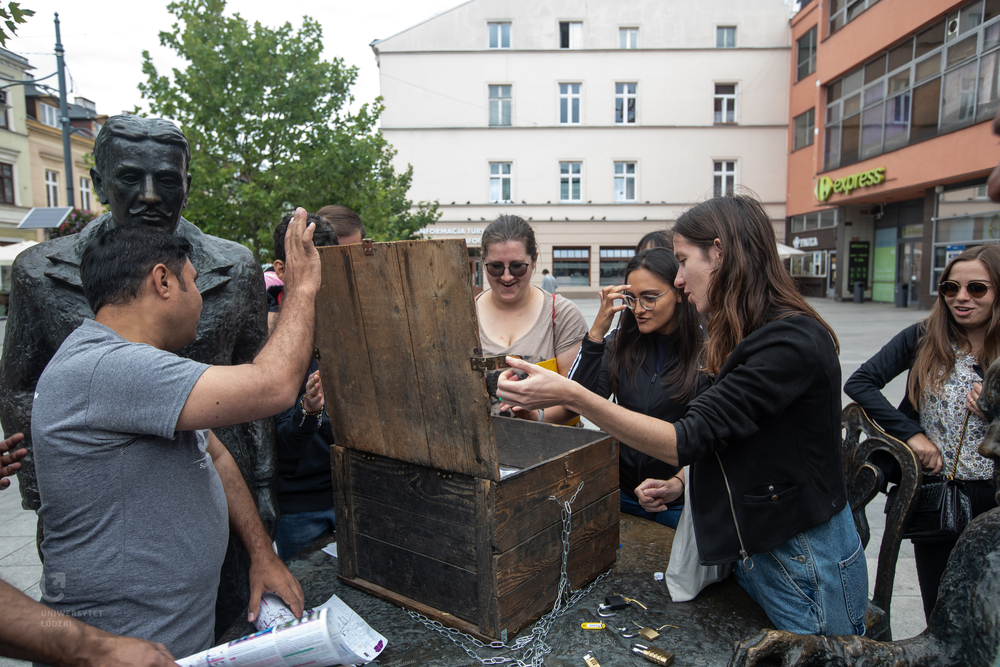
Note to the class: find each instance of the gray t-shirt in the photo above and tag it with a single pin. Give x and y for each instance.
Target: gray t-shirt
(135, 515)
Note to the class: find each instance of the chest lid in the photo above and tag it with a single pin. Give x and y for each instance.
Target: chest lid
(396, 329)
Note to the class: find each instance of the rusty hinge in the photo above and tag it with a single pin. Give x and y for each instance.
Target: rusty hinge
(484, 364)
(367, 246)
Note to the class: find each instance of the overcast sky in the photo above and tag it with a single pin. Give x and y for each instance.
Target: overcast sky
(104, 41)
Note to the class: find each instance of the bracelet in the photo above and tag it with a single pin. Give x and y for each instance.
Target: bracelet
(681, 480)
(305, 413)
(594, 340)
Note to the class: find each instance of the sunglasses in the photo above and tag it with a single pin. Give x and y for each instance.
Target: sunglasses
(648, 301)
(517, 269)
(975, 288)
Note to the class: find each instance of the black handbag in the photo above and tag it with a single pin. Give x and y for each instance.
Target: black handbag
(943, 510)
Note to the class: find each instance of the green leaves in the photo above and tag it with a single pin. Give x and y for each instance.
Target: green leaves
(12, 15)
(269, 129)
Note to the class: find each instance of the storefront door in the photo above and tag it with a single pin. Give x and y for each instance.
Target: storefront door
(910, 254)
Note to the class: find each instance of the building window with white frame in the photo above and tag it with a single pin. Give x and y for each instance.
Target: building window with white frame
(571, 181)
(570, 34)
(499, 34)
(7, 183)
(628, 38)
(500, 183)
(805, 129)
(625, 173)
(724, 178)
(626, 100)
(85, 199)
(4, 111)
(725, 103)
(725, 37)
(48, 115)
(569, 103)
(500, 100)
(51, 187)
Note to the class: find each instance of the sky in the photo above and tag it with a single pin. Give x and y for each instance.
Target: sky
(103, 42)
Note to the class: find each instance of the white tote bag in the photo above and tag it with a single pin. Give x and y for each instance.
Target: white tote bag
(685, 575)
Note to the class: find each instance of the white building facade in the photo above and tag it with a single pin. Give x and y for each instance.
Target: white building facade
(598, 122)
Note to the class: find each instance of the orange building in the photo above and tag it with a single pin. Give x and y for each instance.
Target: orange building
(890, 143)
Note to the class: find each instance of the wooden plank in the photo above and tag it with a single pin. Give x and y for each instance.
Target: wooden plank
(535, 597)
(453, 543)
(345, 362)
(397, 484)
(523, 444)
(343, 508)
(420, 577)
(523, 507)
(487, 578)
(444, 335)
(539, 551)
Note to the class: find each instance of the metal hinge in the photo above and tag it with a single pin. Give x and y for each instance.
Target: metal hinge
(484, 364)
(367, 246)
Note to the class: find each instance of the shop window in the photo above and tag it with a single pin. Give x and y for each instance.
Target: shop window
(571, 266)
(810, 265)
(613, 263)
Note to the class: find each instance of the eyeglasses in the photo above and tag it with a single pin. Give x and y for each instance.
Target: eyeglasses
(648, 301)
(517, 269)
(976, 288)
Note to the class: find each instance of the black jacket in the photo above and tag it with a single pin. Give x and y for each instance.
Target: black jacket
(648, 396)
(771, 421)
(304, 480)
(865, 384)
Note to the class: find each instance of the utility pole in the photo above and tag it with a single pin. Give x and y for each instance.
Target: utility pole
(64, 118)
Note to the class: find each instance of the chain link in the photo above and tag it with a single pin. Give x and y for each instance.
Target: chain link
(534, 655)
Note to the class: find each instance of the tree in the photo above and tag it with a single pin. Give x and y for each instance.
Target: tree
(269, 130)
(12, 15)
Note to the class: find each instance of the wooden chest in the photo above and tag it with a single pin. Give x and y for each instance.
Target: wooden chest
(424, 516)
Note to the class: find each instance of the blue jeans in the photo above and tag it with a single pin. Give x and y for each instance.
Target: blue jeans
(297, 531)
(668, 517)
(816, 583)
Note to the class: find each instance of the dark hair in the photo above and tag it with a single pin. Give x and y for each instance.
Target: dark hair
(510, 228)
(343, 219)
(136, 128)
(545, 272)
(935, 357)
(324, 235)
(750, 287)
(658, 239)
(630, 346)
(116, 264)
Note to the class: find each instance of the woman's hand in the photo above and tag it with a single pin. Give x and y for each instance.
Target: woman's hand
(606, 315)
(540, 389)
(314, 400)
(927, 452)
(654, 494)
(972, 397)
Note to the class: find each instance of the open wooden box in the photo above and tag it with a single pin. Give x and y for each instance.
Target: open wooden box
(424, 516)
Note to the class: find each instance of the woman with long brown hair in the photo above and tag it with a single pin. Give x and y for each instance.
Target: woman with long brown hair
(763, 442)
(945, 356)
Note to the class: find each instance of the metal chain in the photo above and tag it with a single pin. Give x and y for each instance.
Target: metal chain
(535, 654)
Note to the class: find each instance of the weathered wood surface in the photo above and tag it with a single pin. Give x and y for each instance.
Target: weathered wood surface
(396, 330)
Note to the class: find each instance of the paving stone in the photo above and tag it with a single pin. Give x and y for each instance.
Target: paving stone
(26, 555)
(21, 577)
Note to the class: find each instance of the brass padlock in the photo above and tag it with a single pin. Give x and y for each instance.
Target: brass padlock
(655, 655)
(649, 634)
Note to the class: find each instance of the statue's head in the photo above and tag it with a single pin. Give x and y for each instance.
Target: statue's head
(141, 171)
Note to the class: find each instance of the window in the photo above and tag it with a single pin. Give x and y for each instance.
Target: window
(51, 187)
(805, 129)
(844, 11)
(571, 266)
(725, 103)
(806, 55)
(725, 37)
(625, 103)
(821, 220)
(499, 35)
(569, 103)
(624, 181)
(613, 263)
(570, 34)
(4, 108)
(724, 178)
(628, 38)
(85, 203)
(6, 183)
(499, 105)
(809, 265)
(570, 181)
(48, 115)
(500, 173)
(941, 79)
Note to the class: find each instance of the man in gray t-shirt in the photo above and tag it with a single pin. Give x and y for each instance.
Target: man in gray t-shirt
(136, 493)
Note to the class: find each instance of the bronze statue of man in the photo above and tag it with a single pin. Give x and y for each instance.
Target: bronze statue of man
(141, 174)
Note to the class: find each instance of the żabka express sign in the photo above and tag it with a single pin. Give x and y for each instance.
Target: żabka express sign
(825, 187)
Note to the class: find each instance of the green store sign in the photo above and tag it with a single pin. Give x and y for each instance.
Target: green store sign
(825, 187)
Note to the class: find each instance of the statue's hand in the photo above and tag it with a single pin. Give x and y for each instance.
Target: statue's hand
(777, 648)
(10, 457)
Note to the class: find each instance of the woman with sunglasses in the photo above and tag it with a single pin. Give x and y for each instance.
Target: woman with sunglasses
(517, 318)
(763, 442)
(944, 356)
(650, 364)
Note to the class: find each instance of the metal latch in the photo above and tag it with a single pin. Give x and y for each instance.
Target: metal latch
(484, 364)
(367, 246)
